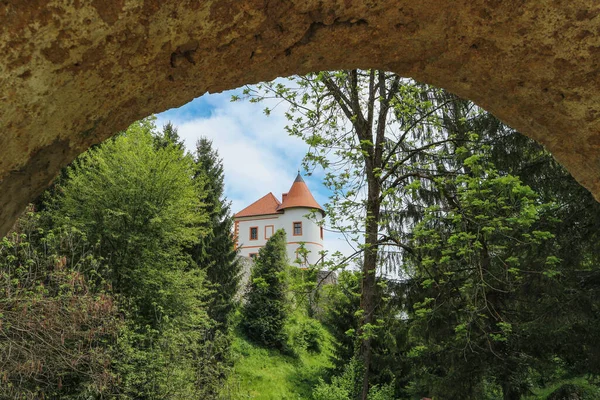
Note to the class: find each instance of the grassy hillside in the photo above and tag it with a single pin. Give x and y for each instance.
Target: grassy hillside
(266, 374)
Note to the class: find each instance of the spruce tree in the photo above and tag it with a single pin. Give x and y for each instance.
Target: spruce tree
(265, 313)
(215, 252)
(169, 136)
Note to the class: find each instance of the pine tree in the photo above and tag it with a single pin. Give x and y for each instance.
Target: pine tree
(168, 136)
(215, 252)
(265, 313)
(341, 304)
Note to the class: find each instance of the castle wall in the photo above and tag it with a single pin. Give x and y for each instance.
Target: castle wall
(311, 233)
(266, 225)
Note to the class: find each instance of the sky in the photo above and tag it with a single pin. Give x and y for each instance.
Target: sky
(258, 155)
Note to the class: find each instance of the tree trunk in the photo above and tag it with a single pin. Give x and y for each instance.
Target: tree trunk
(510, 393)
(368, 292)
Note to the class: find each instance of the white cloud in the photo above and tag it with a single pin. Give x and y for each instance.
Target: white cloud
(258, 156)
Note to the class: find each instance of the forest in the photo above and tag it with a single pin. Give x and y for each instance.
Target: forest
(476, 273)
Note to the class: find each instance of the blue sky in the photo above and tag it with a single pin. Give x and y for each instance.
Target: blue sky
(258, 156)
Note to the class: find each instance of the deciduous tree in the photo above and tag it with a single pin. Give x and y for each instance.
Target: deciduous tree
(373, 133)
(138, 203)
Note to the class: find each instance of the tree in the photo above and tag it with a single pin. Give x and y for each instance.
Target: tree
(215, 252)
(373, 133)
(341, 305)
(138, 203)
(474, 258)
(575, 222)
(265, 311)
(169, 136)
(544, 312)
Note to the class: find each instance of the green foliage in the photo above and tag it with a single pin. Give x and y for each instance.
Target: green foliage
(139, 204)
(56, 320)
(268, 374)
(341, 305)
(576, 388)
(215, 251)
(302, 288)
(478, 260)
(158, 368)
(135, 199)
(168, 137)
(385, 392)
(265, 310)
(571, 391)
(305, 334)
(348, 386)
(342, 387)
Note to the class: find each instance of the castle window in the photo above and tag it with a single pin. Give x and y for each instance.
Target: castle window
(321, 232)
(253, 256)
(297, 228)
(269, 231)
(254, 233)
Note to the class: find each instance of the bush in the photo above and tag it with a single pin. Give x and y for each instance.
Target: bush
(306, 335)
(56, 325)
(348, 386)
(342, 387)
(384, 392)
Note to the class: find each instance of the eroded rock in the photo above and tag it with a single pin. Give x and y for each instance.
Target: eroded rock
(74, 72)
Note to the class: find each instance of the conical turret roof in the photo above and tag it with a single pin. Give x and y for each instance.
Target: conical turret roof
(299, 196)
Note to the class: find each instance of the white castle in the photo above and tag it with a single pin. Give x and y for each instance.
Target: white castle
(255, 224)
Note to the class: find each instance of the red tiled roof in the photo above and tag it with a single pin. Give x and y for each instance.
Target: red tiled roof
(299, 196)
(268, 204)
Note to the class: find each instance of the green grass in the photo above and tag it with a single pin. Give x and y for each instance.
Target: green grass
(266, 374)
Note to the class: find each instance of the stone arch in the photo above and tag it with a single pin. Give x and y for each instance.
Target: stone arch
(73, 72)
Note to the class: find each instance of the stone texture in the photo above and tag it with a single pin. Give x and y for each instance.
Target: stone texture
(73, 72)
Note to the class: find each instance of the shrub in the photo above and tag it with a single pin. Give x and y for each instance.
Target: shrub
(307, 335)
(56, 325)
(384, 392)
(342, 387)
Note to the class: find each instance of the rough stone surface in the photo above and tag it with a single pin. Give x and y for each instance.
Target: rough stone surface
(73, 72)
